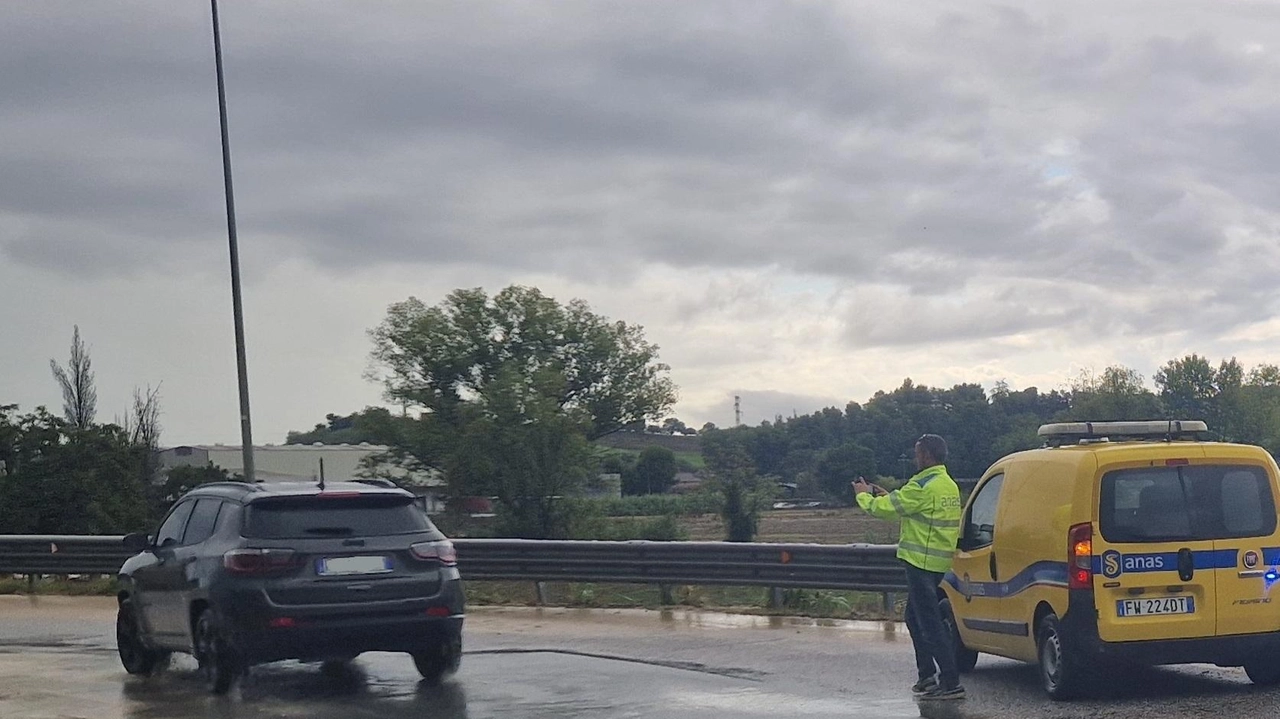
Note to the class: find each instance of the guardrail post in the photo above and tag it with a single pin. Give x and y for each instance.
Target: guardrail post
(540, 591)
(31, 584)
(775, 598)
(888, 600)
(665, 596)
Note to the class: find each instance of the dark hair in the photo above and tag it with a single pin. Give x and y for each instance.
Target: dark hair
(935, 446)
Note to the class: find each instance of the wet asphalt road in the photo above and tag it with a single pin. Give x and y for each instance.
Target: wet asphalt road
(57, 661)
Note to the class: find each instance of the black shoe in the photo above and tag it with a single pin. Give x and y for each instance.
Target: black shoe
(924, 686)
(941, 694)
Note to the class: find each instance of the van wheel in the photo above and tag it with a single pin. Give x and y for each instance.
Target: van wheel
(1263, 672)
(1061, 672)
(966, 658)
(220, 664)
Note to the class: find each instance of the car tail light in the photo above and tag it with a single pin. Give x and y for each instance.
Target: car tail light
(441, 551)
(438, 612)
(261, 561)
(1080, 557)
(283, 623)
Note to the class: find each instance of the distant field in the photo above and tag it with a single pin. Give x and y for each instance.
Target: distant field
(807, 526)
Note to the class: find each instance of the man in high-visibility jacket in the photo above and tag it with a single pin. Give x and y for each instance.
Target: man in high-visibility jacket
(928, 508)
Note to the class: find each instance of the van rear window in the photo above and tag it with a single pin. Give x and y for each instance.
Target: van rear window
(368, 515)
(1162, 504)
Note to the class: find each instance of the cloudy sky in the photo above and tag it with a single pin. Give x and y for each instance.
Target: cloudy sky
(801, 202)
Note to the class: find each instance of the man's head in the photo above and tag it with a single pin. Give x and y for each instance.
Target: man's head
(930, 450)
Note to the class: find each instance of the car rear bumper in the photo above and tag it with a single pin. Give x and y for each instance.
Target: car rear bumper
(410, 634)
(1081, 625)
(266, 632)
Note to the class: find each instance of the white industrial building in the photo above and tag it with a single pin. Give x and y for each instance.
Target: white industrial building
(299, 463)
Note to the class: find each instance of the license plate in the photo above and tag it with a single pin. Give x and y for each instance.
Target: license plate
(337, 566)
(1155, 605)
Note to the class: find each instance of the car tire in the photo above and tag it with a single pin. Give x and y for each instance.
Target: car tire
(1263, 672)
(1063, 674)
(220, 664)
(136, 657)
(439, 660)
(966, 658)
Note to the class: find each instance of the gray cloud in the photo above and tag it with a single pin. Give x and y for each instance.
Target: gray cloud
(941, 173)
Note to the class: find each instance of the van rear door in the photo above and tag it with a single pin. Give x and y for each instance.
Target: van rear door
(1155, 574)
(1234, 492)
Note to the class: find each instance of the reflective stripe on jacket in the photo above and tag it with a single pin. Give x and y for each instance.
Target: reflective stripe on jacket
(928, 507)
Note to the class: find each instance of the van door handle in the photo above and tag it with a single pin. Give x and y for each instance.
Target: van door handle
(1186, 564)
(992, 562)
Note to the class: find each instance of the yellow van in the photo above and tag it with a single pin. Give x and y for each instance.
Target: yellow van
(1120, 542)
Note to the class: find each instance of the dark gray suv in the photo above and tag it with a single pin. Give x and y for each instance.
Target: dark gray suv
(240, 574)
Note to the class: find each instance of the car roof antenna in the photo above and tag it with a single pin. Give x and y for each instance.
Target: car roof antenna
(322, 474)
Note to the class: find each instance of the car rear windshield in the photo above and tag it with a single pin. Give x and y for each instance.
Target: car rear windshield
(1183, 503)
(316, 517)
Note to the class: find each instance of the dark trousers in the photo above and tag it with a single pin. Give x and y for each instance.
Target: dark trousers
(929, 636)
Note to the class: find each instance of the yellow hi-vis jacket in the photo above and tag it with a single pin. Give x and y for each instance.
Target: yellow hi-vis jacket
(928, 506)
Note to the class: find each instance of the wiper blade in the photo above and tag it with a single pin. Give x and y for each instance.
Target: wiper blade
(330, 531)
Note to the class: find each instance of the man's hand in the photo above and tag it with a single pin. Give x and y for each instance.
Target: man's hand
(862, 485)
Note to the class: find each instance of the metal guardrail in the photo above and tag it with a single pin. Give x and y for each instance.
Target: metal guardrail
(860, 567)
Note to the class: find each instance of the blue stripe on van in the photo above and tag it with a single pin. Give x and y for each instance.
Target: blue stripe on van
(1052, 574)
(1140, 562)
(1271, 556)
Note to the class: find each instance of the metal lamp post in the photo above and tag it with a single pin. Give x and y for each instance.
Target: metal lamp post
(237, 305)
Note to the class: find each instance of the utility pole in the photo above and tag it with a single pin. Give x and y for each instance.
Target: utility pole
(737, 411)
(237, 305)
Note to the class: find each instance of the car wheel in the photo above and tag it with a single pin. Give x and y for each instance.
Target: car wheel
(439, 660)
(1263, 672)
(1062, 673)
(136, 657)
(966, 658)
(220, 665)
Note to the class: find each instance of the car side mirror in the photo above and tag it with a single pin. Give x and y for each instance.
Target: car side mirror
(137, 542)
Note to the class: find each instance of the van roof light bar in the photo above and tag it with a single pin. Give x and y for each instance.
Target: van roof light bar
(1166, 430)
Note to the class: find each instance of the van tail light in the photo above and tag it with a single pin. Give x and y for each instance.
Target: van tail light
(441, 551)
(261, 561)
(1080, 557)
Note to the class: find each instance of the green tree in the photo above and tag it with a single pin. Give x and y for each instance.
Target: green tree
(653, 473)
(672, 425)
(372, 424)
(1119, 393)
(1188, 387)
(439, 358)
(744, 494)
(840, 466)
(521, 447)
(79, 393)
(509, 390)
(57, 478)
(180, 480)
